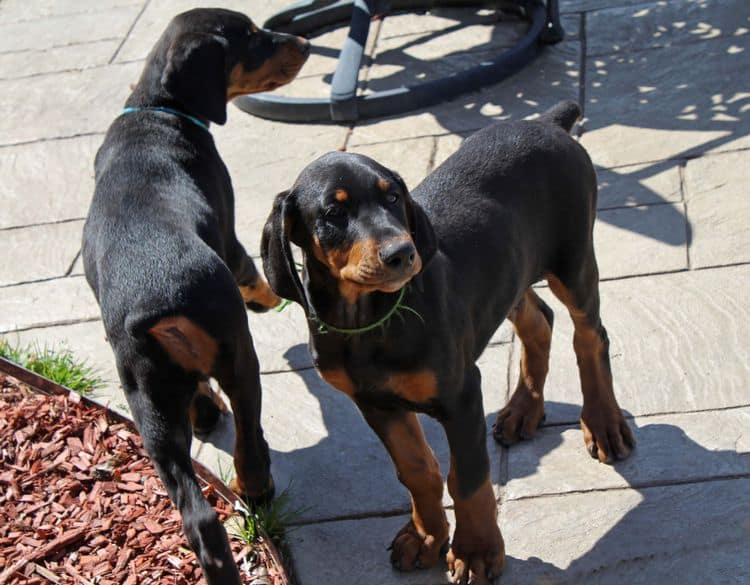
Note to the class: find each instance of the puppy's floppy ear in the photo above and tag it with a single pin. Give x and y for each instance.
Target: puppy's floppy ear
(195, 75)
(420, 226)
(278, 262)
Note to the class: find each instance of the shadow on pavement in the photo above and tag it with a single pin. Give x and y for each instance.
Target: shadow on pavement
(350, 466)
(643, 89)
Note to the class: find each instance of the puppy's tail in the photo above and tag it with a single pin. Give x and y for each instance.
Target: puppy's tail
(563, 114)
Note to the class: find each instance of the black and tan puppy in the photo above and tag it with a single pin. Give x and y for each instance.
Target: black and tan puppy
(161, 254)
(514, 205)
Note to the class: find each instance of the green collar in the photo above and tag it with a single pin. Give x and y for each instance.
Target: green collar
(172, 111)
(324, 327)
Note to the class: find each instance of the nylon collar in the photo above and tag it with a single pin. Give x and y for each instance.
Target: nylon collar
(324, 327)
(193, 119)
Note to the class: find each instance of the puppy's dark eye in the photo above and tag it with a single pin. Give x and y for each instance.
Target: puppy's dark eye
(391, 198)
(333, 211)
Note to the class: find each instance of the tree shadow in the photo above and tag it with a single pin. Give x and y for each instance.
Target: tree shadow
(646, 88)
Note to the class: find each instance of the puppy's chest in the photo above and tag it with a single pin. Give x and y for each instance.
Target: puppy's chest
(368, 375)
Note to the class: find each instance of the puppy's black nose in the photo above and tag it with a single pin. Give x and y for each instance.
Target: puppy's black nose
(398, 254)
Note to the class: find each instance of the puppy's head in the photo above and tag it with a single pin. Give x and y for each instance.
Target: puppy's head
(355, 219)
(215, 55)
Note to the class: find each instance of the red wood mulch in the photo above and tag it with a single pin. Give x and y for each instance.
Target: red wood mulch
(81, 503)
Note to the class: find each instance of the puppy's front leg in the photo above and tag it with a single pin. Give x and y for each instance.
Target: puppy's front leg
(420, 543)
(477, 553)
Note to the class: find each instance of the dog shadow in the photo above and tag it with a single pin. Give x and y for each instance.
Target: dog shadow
(333, 478)
(654, 475)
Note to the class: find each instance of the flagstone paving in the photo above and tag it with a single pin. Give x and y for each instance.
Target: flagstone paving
(666, 102)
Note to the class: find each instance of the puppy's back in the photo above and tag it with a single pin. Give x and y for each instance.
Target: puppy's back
(151, 234)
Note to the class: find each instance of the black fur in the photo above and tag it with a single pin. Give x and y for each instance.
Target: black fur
(515, 204)
(159, 243)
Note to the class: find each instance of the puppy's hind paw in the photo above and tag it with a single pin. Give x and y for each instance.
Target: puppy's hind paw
(206, 410)
(518, 421)
(261, 496)
(259, 297)
(606, 434)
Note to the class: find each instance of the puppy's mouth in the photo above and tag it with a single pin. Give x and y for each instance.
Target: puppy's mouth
(292, 67)
(370, 265)
(272, 77)
(284, 76)
(370, 276)
(288, 64)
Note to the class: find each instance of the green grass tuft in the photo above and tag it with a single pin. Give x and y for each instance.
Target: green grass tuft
(226, 474)
(273, 518)
(58, 364)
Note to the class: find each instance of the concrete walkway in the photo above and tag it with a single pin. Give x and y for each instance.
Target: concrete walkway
(666, 92)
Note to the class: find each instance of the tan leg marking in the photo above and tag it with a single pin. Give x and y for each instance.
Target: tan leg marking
(419, 543)
(188, 344)
(238, 486)
(605, 431)
(477, 553)
(525, 410)
(261, 293)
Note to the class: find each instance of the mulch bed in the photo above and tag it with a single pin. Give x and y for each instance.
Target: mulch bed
(80, 502)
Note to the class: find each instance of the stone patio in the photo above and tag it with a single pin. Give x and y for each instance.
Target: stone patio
(665, 88)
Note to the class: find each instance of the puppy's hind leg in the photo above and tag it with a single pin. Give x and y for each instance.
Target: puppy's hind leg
(159, 405)
(238, 374)
(532, 320)
(605, 431)
(206, 409)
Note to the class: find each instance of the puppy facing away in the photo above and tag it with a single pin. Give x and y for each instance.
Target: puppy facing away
(171, 278)
(402, 293)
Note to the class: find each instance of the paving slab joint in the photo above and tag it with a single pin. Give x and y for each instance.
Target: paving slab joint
(46, 325)
(579, 128)
(129, 31)
(637, 486)
(73, 263)
(52, 138)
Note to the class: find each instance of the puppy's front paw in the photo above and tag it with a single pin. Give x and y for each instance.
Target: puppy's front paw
(606, 433)
(410, 550)
(476, 561)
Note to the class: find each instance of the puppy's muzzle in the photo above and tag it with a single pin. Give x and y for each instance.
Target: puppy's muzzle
(398, 257)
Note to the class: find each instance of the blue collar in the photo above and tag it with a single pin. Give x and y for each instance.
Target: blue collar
(193, 119)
